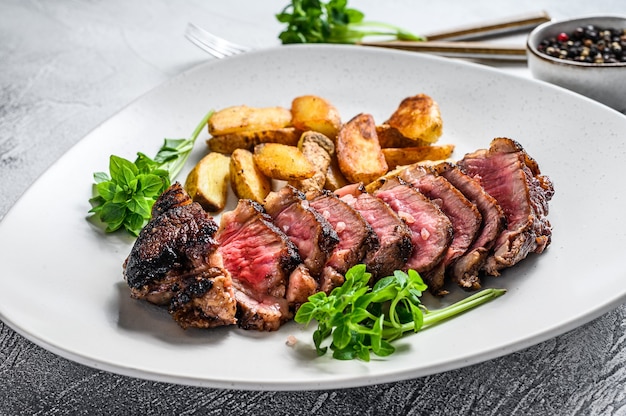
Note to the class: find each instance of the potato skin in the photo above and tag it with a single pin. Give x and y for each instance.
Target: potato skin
(240, 118)
(418, 118)
(318, 149)
(409, 155)
(282, 162)
(390, 137)
(358, 151)
(311, 112)
(207, 183)
(247, 181)
(227, 143)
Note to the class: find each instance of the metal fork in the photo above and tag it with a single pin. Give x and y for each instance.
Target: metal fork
(214, 45)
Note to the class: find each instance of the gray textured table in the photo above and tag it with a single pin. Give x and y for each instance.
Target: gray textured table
(67, 66)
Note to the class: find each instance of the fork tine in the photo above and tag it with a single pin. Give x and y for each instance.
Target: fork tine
(214, 45)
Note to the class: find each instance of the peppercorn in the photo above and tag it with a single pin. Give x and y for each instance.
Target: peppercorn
(589, 44)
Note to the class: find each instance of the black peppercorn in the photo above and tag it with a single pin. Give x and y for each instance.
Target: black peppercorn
(590, 44)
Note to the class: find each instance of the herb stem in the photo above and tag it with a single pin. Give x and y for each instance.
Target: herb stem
(436, 316)
(177, 164)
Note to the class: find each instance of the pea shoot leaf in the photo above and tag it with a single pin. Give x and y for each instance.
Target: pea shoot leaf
(361, 320)
(315, 21)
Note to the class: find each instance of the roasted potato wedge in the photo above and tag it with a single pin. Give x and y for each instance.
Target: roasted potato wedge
(279, 161)
(408, 155)
(207, 183)
(310, 112)
(418, 118)
(227, 143)
(390, 137)
(318, 149)
(358, 151)
(334, 178)
(247, 181)
(241, 118)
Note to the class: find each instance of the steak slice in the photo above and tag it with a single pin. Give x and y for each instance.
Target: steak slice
(356, 238)
(260, 259)
(394, 236)
(466, 269)
(513, 178)
(175, 262)
(308, 229)
(431, 229)
(463, 214)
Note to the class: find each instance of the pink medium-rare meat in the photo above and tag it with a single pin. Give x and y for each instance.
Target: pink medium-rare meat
(175, 262)
(394, 236)
(260, 258)
(356, 238)
(431, 229)
(465, 271)
(463, 214)
(513, 178)
(308, 229)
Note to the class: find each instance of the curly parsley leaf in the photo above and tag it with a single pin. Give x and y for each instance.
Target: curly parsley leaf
(361, 320)
(123, 197)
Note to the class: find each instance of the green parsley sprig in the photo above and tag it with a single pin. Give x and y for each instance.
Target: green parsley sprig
(361, 319)
(315, 21)
(123, 198)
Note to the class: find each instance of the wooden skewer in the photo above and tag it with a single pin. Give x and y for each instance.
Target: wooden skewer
(445, 43)
(492, 28)
(476, 50)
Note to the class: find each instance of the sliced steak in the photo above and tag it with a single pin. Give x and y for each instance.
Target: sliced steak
(175, 262)
(513, 178)
(394, 236)
(465, 271)
(463, 214)
(431, 229)
(308, 229)
(356, 238)
(301, 286)
(260, 258)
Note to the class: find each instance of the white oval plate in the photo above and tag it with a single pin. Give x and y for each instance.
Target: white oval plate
(61, 284)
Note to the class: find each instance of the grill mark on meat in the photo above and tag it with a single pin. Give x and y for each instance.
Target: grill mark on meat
(465, 271)
(463, 214)
(393, 234)
(260, 258)
(175, 262)
(512, 177)
(308, 229)
(356, 238)
(431, 229)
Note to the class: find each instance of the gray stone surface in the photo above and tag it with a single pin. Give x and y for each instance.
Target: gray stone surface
(67, 66)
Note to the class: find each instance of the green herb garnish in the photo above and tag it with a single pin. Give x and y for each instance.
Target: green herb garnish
(361, 319)
(124, 197)
(314, 21)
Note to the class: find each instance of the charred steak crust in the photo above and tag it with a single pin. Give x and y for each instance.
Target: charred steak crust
(463, 214)
(174, 196)
(394, 236)
(177, 241)
(466, 270)
(313, 235)
(512, 177)
(356, 237)
(174, 262)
